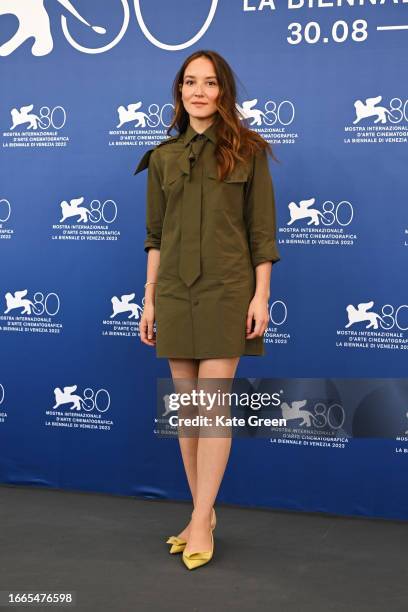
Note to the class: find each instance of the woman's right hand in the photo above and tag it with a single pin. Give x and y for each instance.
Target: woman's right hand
(147, 333)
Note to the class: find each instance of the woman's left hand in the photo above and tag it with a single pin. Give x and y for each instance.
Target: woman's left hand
(258, 310)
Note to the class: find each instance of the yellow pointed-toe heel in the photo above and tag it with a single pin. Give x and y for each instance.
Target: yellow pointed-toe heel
(196, 559)
(178, 544)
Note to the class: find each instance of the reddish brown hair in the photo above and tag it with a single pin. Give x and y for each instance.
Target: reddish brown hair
(236, 141)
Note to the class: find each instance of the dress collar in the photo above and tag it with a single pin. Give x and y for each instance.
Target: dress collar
(191, 132)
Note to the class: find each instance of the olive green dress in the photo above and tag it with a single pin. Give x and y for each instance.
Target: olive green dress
(211, 235)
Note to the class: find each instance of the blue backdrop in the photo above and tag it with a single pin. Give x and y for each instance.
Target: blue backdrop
(85, 89)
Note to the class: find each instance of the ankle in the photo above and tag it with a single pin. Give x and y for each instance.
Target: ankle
(202, 515)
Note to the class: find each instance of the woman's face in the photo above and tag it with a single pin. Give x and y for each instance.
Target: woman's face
(200, 88)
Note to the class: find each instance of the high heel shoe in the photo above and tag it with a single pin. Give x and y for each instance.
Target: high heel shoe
(196, 559)
(179, 544)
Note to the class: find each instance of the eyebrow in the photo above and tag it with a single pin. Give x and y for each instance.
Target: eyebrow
(190, 76)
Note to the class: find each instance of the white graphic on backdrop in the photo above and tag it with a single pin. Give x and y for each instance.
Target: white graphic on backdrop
(34, 22)
(248, 112)
(386, 327)
(304, 211)
(130, 113)
(47, 119)
(361, 314)
(36, 129)
(378, 124)
(91, 222)
(74, 209)
(124, 317)
(181, 46)
(322, 424)
(294, 412)
(66, 396)
(75, 411)
(278, 331)
(24, 115)
(329, 226)
(146, 127)
(124, 305)
(369, 109)
(272, 120)
(16, 300)
(39, 312)
(6, 233)
(91, 401)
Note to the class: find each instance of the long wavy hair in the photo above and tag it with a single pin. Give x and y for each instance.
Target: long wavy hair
(236, 141)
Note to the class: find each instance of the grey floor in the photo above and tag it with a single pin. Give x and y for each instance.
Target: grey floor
(111, 551)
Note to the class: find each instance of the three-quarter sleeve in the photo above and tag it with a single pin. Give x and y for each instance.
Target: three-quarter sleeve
(260, 212)
(155, 205)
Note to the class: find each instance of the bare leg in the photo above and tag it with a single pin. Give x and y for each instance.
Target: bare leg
(186, 370)
(212, 457)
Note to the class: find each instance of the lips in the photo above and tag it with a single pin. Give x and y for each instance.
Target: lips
(199, 103)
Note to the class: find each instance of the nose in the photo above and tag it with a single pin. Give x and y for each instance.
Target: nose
(198, 90)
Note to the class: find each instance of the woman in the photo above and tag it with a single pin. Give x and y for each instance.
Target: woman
(211, 243)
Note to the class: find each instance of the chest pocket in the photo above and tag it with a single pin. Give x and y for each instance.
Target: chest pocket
(228, 195)
(238, 175)
(173, 180)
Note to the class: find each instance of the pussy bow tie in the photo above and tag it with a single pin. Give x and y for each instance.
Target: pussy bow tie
(190, 243)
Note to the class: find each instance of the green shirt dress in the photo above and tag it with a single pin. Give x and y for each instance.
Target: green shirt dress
(211, 235)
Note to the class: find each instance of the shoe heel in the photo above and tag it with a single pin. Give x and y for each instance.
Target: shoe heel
(214, 520)
(178, 544)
